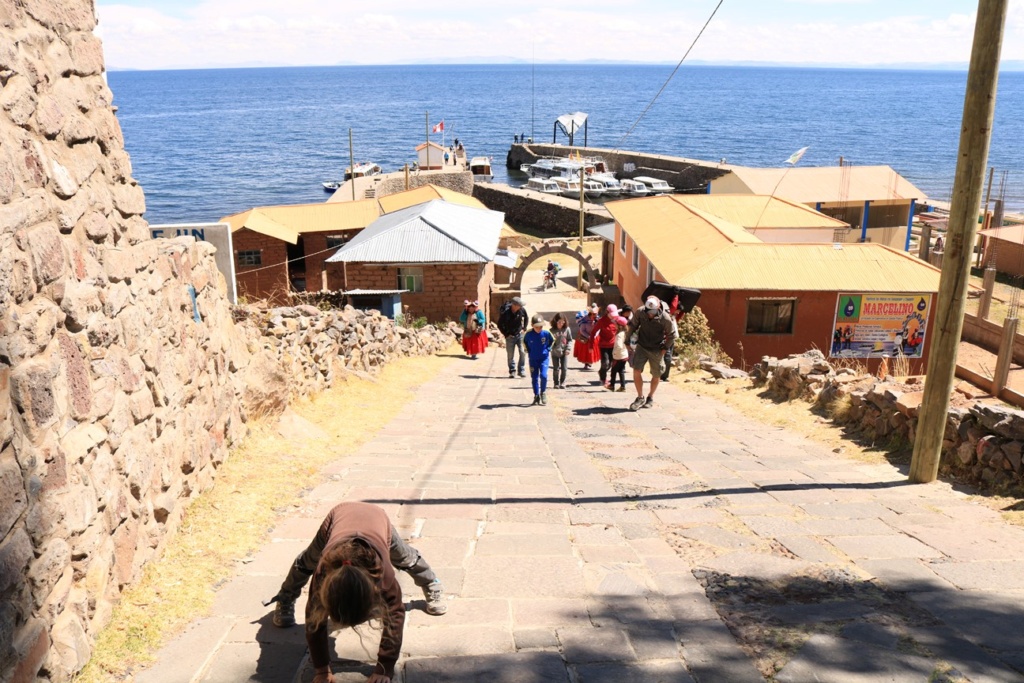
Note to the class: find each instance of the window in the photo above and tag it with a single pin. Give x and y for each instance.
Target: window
(650, 272)
(636, 259)
(622, 241)
(770, 316)
(335, 241)
(253, 257)
(410, 279)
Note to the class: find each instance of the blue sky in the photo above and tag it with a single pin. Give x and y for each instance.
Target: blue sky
(148, 34)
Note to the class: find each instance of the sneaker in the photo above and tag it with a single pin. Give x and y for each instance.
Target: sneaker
(536, 399)
(434, 594)
(637, 404)
(649, 403)
(511, 375)
(522, 374)
(622, 388)
(284, 613)
(544, 399)
(609, 387)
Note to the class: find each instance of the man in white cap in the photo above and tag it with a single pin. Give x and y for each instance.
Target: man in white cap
(654, 334)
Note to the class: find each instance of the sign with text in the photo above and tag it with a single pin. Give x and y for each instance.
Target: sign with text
(880, 325)
(217, 234)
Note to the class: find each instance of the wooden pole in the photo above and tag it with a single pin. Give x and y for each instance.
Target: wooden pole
(352, 165)
(428, 138)
(1005, 357)
(975, 137)
(579, 278)
(407, 176)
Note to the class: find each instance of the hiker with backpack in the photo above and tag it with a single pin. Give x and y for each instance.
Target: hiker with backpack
(513, 322)
(654, 334)
(474, 329)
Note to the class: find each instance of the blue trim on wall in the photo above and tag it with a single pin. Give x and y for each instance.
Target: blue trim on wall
(910, 223)
(864, 222)
(817, 207)
(709, 187)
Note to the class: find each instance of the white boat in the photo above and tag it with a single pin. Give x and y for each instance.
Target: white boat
(612, 186)
(542, 185)
(363, 169)
(655, 185)
(567, 187)
(481, 168)
(634, 188)
(593, 189)
(525, 168)
(332, 185)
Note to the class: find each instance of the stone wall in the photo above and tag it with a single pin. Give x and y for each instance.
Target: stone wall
(686, 175)
(124, 377)
(983, 441)
(522, 210)
(459, 181)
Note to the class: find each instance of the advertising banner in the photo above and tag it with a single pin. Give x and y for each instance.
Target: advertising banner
(878, 325)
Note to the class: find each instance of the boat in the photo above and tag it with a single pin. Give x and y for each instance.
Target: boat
(634, 188)
(593, 189)
(612, 186)
(655, 185)
(363, 169)
(567, 187)
(481, 168)
(332, 185)
(542, 185)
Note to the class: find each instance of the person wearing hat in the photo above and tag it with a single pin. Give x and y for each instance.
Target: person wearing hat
(538, 343)
(474, 329)
(512, 323)
(654, 334)
(604, 338)
(584, 349)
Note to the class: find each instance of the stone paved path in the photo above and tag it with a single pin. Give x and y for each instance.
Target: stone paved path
(580, 543)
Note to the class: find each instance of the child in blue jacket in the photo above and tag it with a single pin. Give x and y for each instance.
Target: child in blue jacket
(538, 342)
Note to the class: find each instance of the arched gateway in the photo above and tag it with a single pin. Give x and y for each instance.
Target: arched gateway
(550, 248)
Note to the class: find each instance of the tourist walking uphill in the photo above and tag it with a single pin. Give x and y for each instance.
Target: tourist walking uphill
(538, 344)
(604, 338)
(654, 333)
(562, 336)
(474, 329)
(352, 561)
(512, 323)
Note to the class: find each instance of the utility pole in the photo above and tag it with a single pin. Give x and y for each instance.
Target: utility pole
(579, 278)
(975, 137)
(352, 165)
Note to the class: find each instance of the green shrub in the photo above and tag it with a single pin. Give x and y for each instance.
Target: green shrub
(696, 339)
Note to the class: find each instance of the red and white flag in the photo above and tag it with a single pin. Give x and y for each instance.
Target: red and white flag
(439, 127)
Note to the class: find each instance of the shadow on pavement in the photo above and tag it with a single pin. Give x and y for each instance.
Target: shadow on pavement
(498, 406)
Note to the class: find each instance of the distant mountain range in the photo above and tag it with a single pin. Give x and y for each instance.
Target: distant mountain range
(1009, 65)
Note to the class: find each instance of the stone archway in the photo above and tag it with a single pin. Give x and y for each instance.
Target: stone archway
(549, 248)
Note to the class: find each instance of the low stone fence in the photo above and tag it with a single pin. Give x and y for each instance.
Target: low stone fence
(520, 209)
(983, 442)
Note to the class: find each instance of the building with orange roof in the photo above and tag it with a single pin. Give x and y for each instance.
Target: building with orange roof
(776, 299)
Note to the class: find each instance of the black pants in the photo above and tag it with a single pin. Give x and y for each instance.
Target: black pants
(618, 370)
(606, 363)
(558, 366)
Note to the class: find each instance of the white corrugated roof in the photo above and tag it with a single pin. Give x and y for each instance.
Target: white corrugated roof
(434, 232)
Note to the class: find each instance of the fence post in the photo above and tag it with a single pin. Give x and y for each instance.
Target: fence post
(1005, 357)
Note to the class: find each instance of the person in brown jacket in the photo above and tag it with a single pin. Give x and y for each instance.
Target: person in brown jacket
(352, 563)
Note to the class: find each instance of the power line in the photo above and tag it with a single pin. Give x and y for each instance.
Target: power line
(670, 76)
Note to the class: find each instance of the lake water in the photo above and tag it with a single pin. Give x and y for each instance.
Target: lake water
(208, 143)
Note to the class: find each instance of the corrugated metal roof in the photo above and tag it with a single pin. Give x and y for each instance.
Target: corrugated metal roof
(289, 221)
(813, 267)
(759, 211)
(810, 184)
(677, 238)
(426, 193)
(1007, 233)
(435, 232)
(605, 231)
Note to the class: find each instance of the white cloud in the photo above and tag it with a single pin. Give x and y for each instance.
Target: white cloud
(238, 32)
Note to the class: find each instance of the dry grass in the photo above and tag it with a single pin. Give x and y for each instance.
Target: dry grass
(797, 416)
(259, 479)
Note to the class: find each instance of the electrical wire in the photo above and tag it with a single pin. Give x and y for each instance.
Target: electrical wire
(670, 76)
(291, 260)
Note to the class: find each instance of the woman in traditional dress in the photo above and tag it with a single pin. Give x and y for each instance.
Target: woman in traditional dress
(474, 326)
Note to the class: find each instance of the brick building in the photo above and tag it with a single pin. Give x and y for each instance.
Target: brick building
(776, 299)
(438, 253)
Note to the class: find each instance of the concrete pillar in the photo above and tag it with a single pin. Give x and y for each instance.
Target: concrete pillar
(998, 212)
(1005, 357)
(986, 296)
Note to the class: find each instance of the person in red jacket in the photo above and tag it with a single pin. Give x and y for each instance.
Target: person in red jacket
(352, 562)
(604, 336)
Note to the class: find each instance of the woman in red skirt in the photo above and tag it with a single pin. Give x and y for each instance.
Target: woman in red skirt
(584, 348)
(474, 326)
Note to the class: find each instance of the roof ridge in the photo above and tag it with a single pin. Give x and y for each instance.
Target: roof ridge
(450, 205)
